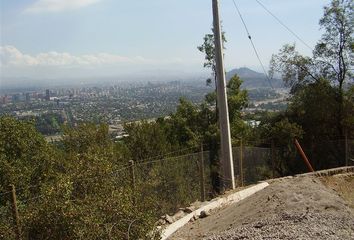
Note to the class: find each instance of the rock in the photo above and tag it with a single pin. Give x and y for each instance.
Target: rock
(196, 204)
(168, 219)
(178, 215)
(189, 209)
(204, 214)
(161, 222)
(194, 218)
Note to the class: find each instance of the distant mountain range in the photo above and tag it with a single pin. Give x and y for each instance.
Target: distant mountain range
(252, 79)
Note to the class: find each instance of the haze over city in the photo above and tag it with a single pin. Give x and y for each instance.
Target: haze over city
(44, 40)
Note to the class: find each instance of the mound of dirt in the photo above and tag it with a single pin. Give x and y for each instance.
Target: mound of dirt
(343, 184)
(293, 208)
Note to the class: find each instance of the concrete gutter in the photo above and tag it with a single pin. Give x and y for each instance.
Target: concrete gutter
(216, 203)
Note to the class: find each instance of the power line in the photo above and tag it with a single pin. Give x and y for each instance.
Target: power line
(283, 24)
(253, 46)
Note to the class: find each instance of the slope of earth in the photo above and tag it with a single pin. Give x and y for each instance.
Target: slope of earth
(291, 208)
(343, 184)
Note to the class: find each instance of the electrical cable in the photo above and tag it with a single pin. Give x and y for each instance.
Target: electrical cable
(253, 45)
(283, 24)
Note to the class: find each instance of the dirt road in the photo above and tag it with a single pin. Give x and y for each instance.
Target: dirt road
(295, 208)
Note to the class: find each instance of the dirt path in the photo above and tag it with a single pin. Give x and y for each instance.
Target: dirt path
(295, 208)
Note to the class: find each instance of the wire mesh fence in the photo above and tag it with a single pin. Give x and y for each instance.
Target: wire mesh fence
(123, 203)
(252, 164)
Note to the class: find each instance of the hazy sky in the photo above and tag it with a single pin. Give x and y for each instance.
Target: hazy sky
(85, 38)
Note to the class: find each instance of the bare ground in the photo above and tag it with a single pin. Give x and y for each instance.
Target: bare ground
(295, 208)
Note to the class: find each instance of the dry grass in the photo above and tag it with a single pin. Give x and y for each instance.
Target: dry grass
(343, 184)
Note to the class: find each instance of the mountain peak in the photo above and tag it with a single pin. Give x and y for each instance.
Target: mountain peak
(245, 72)
(253, 79)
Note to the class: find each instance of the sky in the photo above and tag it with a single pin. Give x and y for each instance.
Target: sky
(87, 38)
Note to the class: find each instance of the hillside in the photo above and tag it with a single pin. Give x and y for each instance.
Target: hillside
(284, 210)
(252, 79)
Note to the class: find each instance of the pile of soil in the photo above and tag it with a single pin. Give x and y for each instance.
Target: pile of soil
(293, 208)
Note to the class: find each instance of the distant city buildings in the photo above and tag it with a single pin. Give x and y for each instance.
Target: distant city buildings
(4, 99)
(47, 95)
(28, 97)
(116, 104)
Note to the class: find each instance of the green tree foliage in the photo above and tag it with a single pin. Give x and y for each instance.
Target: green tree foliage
(283, 132)
(333, 55)
(186, 130)
(321, 103)
(237, 98)
(49, 124)
(334, 52)
(296, 70)
(78, 191)
(208, 48)
(146, 140)
(85, 137)
(348, 119)
(314, 108)
(25, 157)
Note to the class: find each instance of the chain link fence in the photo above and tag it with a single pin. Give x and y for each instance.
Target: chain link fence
(133, 197)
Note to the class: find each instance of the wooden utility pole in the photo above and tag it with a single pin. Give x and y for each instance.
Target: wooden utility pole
(227, 168)
(16, 218)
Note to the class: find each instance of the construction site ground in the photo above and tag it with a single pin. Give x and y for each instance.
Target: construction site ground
(303, 207)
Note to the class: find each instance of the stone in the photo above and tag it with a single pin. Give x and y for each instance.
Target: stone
(168, 219)
(204, 214)
(178, 215)
(188, 209)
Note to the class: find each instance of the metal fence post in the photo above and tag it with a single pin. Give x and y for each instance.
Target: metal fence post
(346, 149)
(241, 162)
(16, 218)
(132, 179)
(201, 174)
(132, 174)
(273, 158)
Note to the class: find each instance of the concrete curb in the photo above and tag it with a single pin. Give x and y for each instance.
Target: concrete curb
(216, 203)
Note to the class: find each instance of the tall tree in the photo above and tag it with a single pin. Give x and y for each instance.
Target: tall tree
(334, 52)
(208, 48)
(332, 58)
(333, 55)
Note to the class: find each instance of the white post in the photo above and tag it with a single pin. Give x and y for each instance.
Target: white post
(226, 149)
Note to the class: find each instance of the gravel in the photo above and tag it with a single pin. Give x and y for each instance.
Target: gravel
(295, 208)
(292, 226)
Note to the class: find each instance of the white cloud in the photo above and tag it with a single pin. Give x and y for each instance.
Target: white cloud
(58, 5)
(14, 63)
(11, 56)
